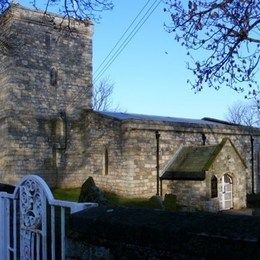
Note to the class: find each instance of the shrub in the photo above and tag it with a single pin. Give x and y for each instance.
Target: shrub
(253, 200)
(170, 202)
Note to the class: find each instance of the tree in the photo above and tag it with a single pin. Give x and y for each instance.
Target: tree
(4, 4)
(79, 9)
(244, 114)
(102, 94)
(225, 36)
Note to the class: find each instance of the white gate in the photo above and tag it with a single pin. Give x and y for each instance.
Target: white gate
(227, 192)
(32, 222)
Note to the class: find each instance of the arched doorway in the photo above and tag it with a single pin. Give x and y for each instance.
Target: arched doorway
(227, 192)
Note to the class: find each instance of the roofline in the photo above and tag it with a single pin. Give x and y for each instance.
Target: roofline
(214, 120)
(203, 127)
(217, 151)
(210, 161)
(163, 170)
(42, 12)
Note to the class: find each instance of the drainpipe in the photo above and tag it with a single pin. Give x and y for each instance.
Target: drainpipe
(252, 163)
(157, 135)
(161, 187)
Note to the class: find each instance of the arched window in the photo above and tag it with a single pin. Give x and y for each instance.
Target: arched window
(214, 187)
(54, 76)
(105, 162)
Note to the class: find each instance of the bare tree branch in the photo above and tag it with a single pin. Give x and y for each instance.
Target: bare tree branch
(4, 4)
(244, 114)
(228, 33)
(102, 96)
(77, 9)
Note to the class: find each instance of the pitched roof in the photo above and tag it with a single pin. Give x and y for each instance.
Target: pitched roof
(191, 162)
(129, 117)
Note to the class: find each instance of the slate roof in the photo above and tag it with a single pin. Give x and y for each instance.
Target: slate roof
(191, 162)
(129, 117)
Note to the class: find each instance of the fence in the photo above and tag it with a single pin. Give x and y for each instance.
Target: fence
(33, 223)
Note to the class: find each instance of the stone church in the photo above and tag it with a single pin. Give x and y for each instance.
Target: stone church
(48, 126)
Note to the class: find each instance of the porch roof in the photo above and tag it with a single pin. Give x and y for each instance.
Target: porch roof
(191, 162)
(166, 119)
(177, 175)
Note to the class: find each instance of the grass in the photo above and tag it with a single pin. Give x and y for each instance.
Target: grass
(66, 194)
(114, 199)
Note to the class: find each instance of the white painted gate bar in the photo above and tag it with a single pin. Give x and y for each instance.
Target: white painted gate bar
(24, 221)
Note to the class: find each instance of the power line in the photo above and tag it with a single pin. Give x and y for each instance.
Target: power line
(130, 36)
(125, 32)
(75, 95)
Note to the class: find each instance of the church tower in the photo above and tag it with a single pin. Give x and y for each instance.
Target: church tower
(45, 77)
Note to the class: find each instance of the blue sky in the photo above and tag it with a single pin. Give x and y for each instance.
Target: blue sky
(150, 74)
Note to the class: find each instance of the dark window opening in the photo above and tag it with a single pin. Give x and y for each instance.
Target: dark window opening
(214, 187)
(106, 162)
(54, 77)
(227, 179)
(204, 138)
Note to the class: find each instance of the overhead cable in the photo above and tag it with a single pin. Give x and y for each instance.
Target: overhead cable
(107, 62)
(127, 40)
(125, 32)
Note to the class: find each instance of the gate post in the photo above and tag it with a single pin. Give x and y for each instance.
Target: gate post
(3, 227)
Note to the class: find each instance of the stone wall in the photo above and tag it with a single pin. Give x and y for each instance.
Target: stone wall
(93, 139)
(197, 194)
(131, 148)
(228, 162)
(141, 148)
(49, 70)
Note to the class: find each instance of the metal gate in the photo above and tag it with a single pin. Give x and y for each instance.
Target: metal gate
(32, 222)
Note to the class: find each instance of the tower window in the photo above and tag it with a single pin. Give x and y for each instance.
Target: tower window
(54, 76)
(105, 162)
(214, 187)
(204, 138)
